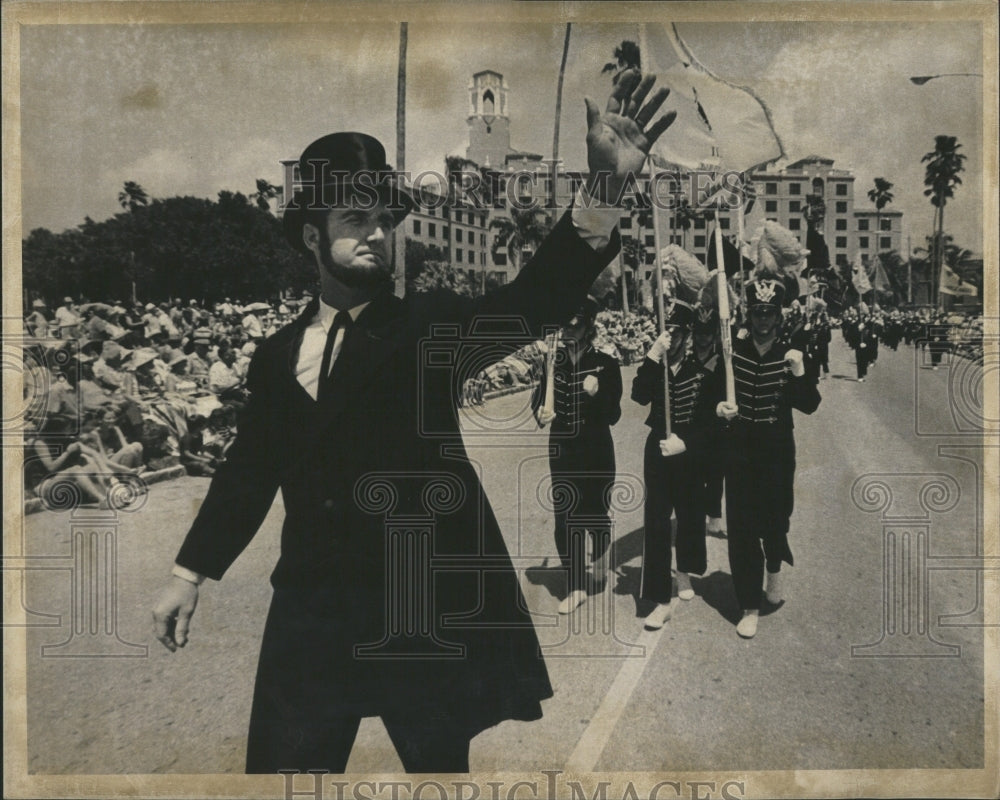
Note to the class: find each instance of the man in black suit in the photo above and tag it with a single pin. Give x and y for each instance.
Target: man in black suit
(394, 595)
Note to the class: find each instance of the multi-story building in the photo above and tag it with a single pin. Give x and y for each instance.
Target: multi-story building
(501, 178)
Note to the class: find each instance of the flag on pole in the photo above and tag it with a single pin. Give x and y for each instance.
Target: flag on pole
(952, 283)
(879, 278)
(720, 125)
(731, 257)
(859, 277)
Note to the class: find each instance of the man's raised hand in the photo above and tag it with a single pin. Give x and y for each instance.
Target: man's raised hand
(618, 140)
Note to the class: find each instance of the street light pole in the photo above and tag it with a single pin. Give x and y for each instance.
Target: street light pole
(920, 80)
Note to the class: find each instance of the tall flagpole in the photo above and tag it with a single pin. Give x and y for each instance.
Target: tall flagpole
(725, 328)
(399, 240)
(658, 266)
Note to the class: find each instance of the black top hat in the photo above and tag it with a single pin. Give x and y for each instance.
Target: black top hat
(766, 291)
(330, 167)
(677, 313)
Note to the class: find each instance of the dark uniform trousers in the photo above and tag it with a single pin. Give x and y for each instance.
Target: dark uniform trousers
(760, 465)
(582, 460)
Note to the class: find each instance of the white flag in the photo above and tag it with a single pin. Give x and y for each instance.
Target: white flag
(720, 126)
(951, 283)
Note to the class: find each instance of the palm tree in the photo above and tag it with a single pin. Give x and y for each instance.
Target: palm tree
(684, 217)
(132, 196)
(626, 57)
(519, 235)
(881, 196)
(944, 163)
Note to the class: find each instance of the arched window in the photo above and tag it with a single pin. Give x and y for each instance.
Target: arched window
(818, 186)
(488, 102)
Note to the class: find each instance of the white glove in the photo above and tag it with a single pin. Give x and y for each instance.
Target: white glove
(590, 385)
(795, 362)
(545, 416)
(659, 348)
(742, 333)
(727, 411)
(543, 348)
(671, 446)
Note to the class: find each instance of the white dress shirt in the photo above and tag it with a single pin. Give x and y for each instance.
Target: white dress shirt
(310, 358)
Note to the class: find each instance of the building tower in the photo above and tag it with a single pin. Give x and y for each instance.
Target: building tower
(488, 120)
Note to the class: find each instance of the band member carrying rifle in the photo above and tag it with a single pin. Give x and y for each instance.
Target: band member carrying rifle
(770, 380)
(582, 399)
(672, 463)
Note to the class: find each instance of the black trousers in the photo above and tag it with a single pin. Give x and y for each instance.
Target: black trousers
(312, 691)
(759, 500)
(714, 477)
(674, 483)
(423, 744)
(862, 359)
(583, 472)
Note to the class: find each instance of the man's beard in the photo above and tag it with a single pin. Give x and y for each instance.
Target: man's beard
(352, 277)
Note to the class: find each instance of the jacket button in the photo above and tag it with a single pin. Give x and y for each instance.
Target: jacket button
(328, 505)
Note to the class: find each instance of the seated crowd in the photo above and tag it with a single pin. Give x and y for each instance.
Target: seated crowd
(113, 392)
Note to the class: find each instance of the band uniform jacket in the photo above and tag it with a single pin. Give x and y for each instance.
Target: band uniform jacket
(694, 393)
(581, 430)
(394, 589)
(760, 463)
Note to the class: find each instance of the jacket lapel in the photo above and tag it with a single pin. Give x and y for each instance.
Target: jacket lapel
(374, 337)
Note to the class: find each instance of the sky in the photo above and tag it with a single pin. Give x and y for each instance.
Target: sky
(193, 109)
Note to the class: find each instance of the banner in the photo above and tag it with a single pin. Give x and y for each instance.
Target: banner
(859, 277)
(720, 126)
(952, 284)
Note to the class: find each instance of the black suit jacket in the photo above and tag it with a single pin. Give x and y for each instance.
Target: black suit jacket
(376, 484)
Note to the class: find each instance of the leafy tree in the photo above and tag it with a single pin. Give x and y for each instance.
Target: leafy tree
(525, 230)
(418, 255)
(132, 196)
(440, 275)
(266, 192)
(172, 247)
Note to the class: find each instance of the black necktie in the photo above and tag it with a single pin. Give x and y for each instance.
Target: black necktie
(342, 320)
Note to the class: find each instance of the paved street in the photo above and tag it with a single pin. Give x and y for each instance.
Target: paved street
(692, 696)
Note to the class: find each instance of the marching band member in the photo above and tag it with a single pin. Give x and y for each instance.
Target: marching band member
(671, 465)
(587, 387)
(770, 380)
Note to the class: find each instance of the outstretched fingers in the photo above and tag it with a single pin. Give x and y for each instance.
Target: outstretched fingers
(660, 126)
(627, 81)
(648, 111)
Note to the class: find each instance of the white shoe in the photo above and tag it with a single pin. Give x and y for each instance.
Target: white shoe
(773, 590)
(715, 525)
(658, 616)
(573, 600)
(684, 590)
(747, 627)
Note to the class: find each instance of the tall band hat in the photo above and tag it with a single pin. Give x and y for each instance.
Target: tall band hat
(766, 290)
(335, 163)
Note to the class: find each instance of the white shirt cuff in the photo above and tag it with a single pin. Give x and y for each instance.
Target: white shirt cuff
(595, 222)
(188, 575)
